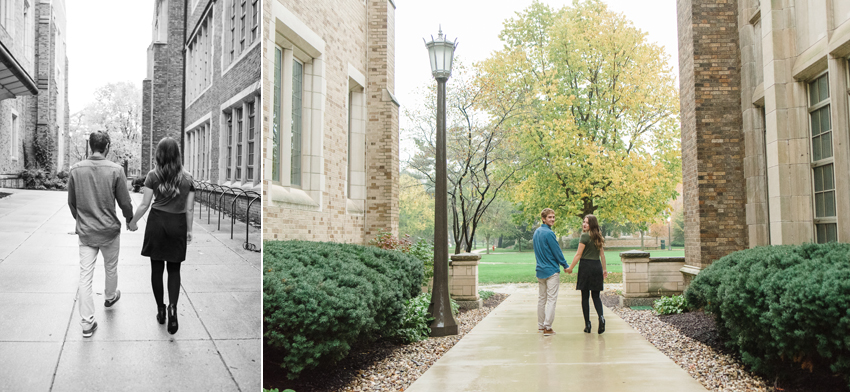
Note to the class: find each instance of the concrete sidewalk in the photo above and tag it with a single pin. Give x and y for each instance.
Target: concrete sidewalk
(504, 352)
(217, 347)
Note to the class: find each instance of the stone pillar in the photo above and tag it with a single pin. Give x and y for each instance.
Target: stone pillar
(712, 132)
(463, 284)
(635, 277)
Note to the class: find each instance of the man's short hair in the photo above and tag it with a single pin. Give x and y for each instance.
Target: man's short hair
(98, 141)
(546, 212)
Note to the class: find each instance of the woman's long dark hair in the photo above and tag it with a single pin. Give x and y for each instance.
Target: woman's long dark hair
(169, 167)
(595, 233)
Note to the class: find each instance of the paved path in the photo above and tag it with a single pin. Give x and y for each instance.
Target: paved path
(217, 348)
(504, 352)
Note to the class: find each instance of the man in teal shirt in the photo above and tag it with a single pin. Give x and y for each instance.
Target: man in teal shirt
(549, 256)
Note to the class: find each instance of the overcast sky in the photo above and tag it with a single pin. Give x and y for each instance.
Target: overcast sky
(476, 25)
(105, 45)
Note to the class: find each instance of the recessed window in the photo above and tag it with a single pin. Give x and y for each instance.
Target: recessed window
(297, 108)
(823, 167)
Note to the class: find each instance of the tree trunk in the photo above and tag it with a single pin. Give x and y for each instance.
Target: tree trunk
(641, 240)
(499, 245)
(487, 244)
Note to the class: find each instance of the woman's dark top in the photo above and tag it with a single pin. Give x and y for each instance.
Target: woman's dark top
(591, 252)
(174, 204)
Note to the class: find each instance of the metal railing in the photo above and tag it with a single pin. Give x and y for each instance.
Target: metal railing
(214, 197)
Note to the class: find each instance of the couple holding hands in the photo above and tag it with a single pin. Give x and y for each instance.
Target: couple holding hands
(591, 275)
(94, 187)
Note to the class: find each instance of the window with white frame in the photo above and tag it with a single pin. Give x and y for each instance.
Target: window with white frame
(29, 30)
(160, 24)
(241, 27)
(197, 151)
(356, 175)
(16, 136)
(242, 149)
(7, 16)
(297, 173)
(823, 166)
(199, 59)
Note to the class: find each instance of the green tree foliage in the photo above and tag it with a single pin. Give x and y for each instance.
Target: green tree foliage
(599, 125)
(781, 304)
(320, 298)
(416, 208)
(679, 228)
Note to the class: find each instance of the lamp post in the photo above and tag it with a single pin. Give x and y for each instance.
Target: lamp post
(441, 53)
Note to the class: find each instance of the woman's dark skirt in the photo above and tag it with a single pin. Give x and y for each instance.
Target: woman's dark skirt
(165, 236)
(590, 275)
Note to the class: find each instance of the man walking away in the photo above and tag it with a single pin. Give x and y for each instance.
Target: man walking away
(94, 186)
(548, 255)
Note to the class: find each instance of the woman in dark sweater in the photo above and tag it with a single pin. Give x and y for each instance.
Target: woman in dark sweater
(169, 225)
(592, 274)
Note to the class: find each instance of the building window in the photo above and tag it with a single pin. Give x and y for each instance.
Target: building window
(199, 60)
(7, 17)
(249, 164)
(197, 151)
(278, 55)
(243, 20)
(355, 190)
(229, 129)
(16, 137)
(238, 120)
(232, 40)
(822, 160)
(255, 19)
(297, 79)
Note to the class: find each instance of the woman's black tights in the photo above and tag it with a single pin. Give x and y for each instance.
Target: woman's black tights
(157, 268)
(585, 306)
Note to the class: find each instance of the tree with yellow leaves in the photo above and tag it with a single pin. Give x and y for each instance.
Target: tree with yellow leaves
(601, 130)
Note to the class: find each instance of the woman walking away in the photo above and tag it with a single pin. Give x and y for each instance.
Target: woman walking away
(169, 225)
(592, 273)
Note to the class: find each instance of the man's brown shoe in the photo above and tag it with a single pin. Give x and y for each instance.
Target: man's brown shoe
(548, 332)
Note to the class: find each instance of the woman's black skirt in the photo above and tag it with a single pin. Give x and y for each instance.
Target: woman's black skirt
(590, 275)
(165, 236)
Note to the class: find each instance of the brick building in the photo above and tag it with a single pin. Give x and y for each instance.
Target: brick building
(34, 110)
(330, 131)
(766, 151)
(218, 89)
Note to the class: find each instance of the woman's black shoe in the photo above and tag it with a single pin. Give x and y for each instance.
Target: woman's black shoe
(160, 314)
(587, 327)
(172, 319)
(601, 324)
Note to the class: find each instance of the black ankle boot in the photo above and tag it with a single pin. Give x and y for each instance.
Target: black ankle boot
(160, 314)
(587, 326)
(601, 324)
(172, 319)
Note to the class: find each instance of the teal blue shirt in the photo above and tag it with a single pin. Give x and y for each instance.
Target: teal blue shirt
(547, 252)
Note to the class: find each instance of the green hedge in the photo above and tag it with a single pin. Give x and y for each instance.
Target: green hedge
(320, 298)
(780, 304)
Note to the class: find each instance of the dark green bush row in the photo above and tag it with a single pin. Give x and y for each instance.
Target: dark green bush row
(320, 298)
(780, 304)
(41, 179)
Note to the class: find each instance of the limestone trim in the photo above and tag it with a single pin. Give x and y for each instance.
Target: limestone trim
(15, 127)
(355, 181)
(297, 42)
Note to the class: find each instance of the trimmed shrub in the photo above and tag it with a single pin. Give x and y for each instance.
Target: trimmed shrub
(320, 298)
(780, 304)
(421, 249)
(574, 243)
(41, 179)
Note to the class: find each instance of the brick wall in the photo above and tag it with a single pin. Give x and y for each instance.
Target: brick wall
(712, 130)
(359, 35)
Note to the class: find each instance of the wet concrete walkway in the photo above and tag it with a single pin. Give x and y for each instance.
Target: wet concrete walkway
(504, 352)
(217, 347)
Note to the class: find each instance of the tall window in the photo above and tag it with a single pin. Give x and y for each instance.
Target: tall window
(243, 10)
(242, 29)
(297, 79)
(232, 39)
(199, 60)
(238, 120)
(197, 144)
(278, 55)
(822, 160)
(229, 127)
(255, 19)
(249, 165)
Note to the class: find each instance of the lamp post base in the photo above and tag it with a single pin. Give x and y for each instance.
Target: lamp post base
(446, 330)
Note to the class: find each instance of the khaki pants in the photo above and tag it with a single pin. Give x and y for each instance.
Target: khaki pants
(547, 296)
(88, 256)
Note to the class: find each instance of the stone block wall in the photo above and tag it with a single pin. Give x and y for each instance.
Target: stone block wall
(712, 131)
(645, 276)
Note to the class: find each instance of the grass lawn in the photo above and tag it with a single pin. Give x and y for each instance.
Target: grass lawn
(519, 267)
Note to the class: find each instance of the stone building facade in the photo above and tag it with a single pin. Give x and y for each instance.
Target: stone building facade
(764, 99)
(330, 152)
(218, 88)
(34, 94)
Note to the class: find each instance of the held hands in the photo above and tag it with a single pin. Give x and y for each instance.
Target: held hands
(568, 270)
(132, 226)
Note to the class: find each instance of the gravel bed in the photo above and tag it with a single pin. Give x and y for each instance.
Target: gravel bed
(691, 340)
(382, 366)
